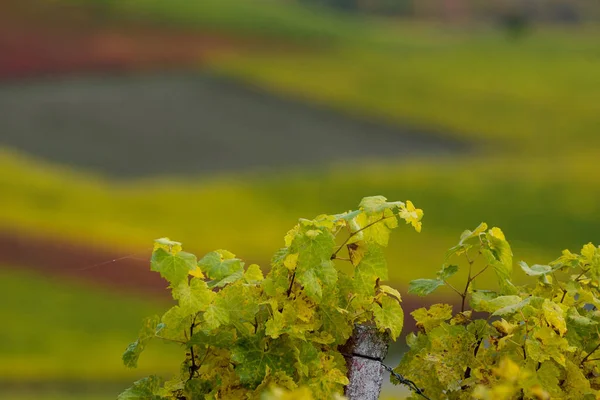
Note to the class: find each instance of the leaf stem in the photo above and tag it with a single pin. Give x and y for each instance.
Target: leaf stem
(480, 272)
(453, 288)
(333, 256)
(586, 358)
(289, 291)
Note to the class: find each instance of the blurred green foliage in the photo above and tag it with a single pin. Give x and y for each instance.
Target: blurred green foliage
(541, 95)
(60, 330)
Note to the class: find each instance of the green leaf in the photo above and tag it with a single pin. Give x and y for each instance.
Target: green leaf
(447, 272)
(312, 287)
(371, 268)
(224, 339)
(423, 287)
(389, 316)
(307, 358)
(499, 256)
(252, 356)
(578, 319)
(335, 323)
(467, 235)
(216, 316)
(144, 389)
(221, 264)
(377, 204)
(234, 277)
(503, 273)
(173, 267)
(175, 324)
(429, 319)
(236, 305)
(132, 354)
(312, 249)
(512, 308)
(536, 269)
(194, 296)
(481, 302)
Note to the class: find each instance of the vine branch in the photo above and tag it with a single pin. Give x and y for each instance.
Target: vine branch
(193, 367)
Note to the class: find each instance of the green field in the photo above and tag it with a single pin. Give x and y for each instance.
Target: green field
(56, 330)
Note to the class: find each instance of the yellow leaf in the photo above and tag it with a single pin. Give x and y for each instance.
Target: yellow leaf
(290, 261)
(497, 233)
(411, 215)
(167, 245)
(197, 272)
(588, 251)
(391, 292)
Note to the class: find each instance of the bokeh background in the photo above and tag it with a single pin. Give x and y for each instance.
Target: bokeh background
(218, 123)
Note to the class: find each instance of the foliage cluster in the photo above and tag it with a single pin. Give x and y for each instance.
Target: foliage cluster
(243, 332)
(248, 336)
(517, 342)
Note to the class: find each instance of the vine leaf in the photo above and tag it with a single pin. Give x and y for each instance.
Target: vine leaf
(132, 354)
(194, 296)
(536, 269)
(145, 388)
(221, 264)
(429, 319)
(173, 267)
(423, 287)
(388, 316)
(252, 359)
(372, 267)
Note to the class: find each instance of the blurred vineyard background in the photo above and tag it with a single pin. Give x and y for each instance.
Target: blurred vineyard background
(218, 123)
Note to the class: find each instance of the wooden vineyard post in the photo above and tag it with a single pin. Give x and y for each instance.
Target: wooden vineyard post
(364, 351)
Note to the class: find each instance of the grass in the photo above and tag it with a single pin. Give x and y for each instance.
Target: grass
(54, 329)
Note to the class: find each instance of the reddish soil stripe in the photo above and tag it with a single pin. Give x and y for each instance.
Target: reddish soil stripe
(58, 258)
(50, 53)
(44, 39)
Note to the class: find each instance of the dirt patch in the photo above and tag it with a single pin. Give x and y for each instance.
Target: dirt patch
(53, 257)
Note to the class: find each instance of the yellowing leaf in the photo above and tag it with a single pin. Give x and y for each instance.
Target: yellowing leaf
(391, 292)
(588, 251)
(429, 319)
(197, 273)
(253, 274)
(497, 233)
(389, 316)
(504, 327)
(411, 215)
(554, 314)
(290, 261)
(466, 235)
(507, 369)
(289, 237)
(168, 245)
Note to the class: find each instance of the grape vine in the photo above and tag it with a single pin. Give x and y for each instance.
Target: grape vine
(247, 336)
(244, 335)
(536, 341)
